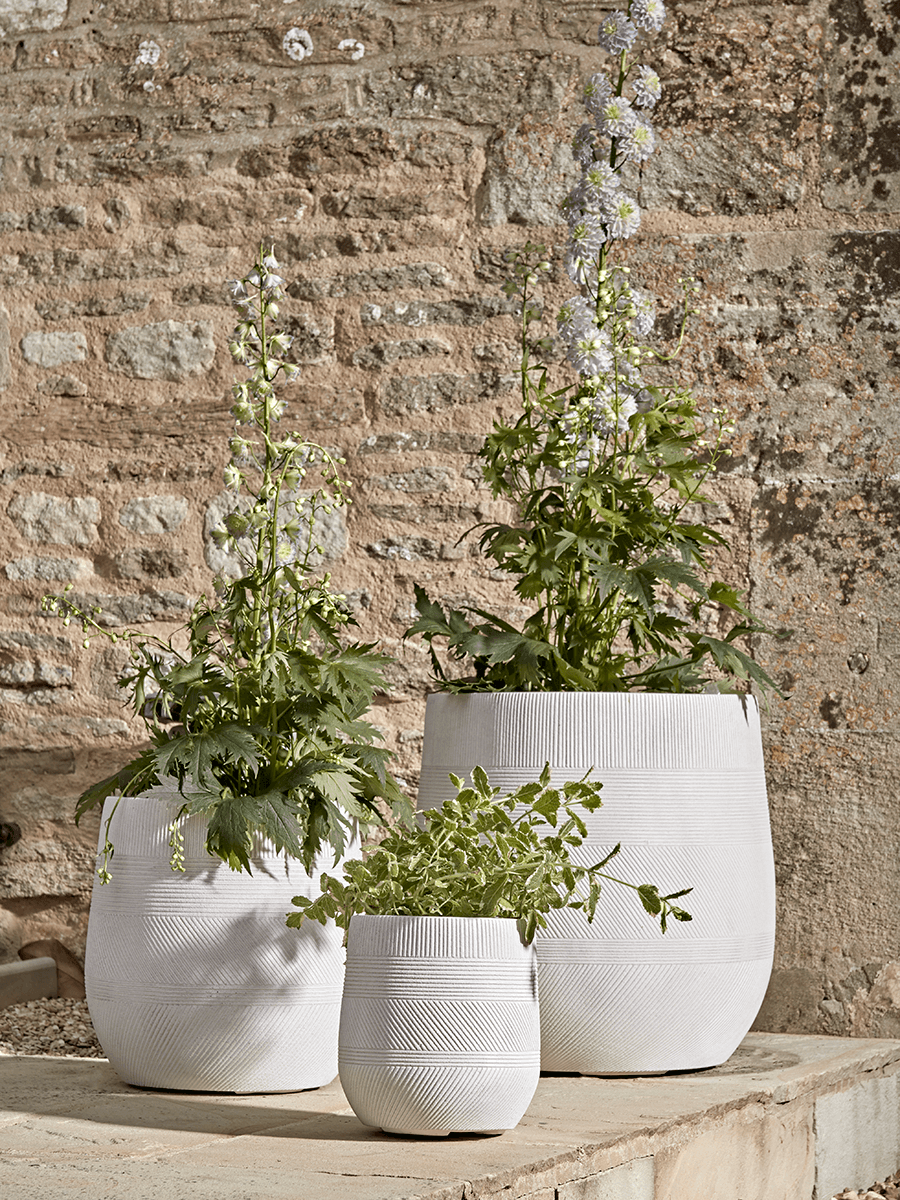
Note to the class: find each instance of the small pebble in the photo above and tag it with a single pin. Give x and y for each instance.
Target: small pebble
(49, 1027)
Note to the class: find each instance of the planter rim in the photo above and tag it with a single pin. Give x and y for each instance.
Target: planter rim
(427, 917)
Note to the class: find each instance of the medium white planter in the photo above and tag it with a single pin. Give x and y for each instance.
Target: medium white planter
(684, 792)
(440, 1030)
(193, 980)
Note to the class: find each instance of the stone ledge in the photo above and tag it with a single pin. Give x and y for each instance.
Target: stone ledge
(33, 979)
(789, 1117)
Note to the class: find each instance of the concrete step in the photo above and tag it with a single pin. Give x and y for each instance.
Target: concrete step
(787, 1118)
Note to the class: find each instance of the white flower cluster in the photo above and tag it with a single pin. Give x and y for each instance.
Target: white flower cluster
(599, 329)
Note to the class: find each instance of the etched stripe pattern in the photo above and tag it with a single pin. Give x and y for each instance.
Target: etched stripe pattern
(447, 1040)
(193, 981)
(684, 793)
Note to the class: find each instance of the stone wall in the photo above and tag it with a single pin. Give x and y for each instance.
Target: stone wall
(148, 145)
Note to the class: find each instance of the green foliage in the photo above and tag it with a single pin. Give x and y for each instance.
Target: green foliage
(256, 707)
(603, 549)
(484, 855)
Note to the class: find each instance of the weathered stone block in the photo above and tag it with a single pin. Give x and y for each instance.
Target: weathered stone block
(528, 173)
(65, 216)
(324, 406)
(32, 16)
(857, 1135)
(420, 479)
(43, 518)
(62, 385)
(53, 349)
(154, 605)
(474, 311)
(5, 375)
(861, 148)
(92, 306)
(403, 394)
(631, 1181)
(154, 515)
(380, 279)
(313, 336)
(382, 354)
(48, 570)
(144, 563)
(168, 350)
(440, 441)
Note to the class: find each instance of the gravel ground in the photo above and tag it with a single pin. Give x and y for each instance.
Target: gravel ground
(59, 1027)
(49, 1027)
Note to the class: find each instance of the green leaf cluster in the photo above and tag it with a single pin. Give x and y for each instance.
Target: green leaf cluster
(256, 708)
(603, 549)
(483, 854)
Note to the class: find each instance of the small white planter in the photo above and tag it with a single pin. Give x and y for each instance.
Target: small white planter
(440, 1031)
(193, 981)
(684, 792)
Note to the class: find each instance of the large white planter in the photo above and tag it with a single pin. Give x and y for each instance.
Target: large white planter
(440, 1030)
(684, 792)
(193, 981)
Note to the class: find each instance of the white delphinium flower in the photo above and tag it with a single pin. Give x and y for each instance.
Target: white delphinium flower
(613, 409)
(647, 88)
(581, 265)
(645, 312)
(616, 117)
(597, 91)
(575, 318)
(616, 33)
(648, 14)
(639, 142)
(591, 354)
(623, 217)
(586, 232)
(583, 145)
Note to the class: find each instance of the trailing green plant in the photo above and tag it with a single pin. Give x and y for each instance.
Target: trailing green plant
(483, 854)
(256, 707)
(602, 474)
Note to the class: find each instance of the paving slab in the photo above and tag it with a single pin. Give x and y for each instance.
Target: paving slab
(784, 1119)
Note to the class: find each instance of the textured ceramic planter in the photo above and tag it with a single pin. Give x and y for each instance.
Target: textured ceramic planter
(439, 1026)
(684, 792)
(193, 981)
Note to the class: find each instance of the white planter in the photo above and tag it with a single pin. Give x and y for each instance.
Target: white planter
(440, 1030)
(193, 980)
(684, 792)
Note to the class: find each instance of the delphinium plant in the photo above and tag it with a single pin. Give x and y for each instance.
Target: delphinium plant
(256, 708)
(603, 472)
(483, 854)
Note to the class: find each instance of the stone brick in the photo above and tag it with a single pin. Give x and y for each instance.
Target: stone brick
(43, 518)
(529, 171)
(361, 149)
(493, 90)
(168, 350)
(48, 570)
(420, 479)
(154, 515)
(62, 385)
(861, 149)
(313, 336)
(31, 16)
(49, 470)
(631, 1181)
(92, 306)
(403, 394)
(65, 216)
(53, 349)
(324, 406)
(144, 563)
(5, 376)
(440, 441)
(380, 279)
(423, 514)
(857, 1135)
(382, 354)
(449, 312)
(41, 867)
(154, 605)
